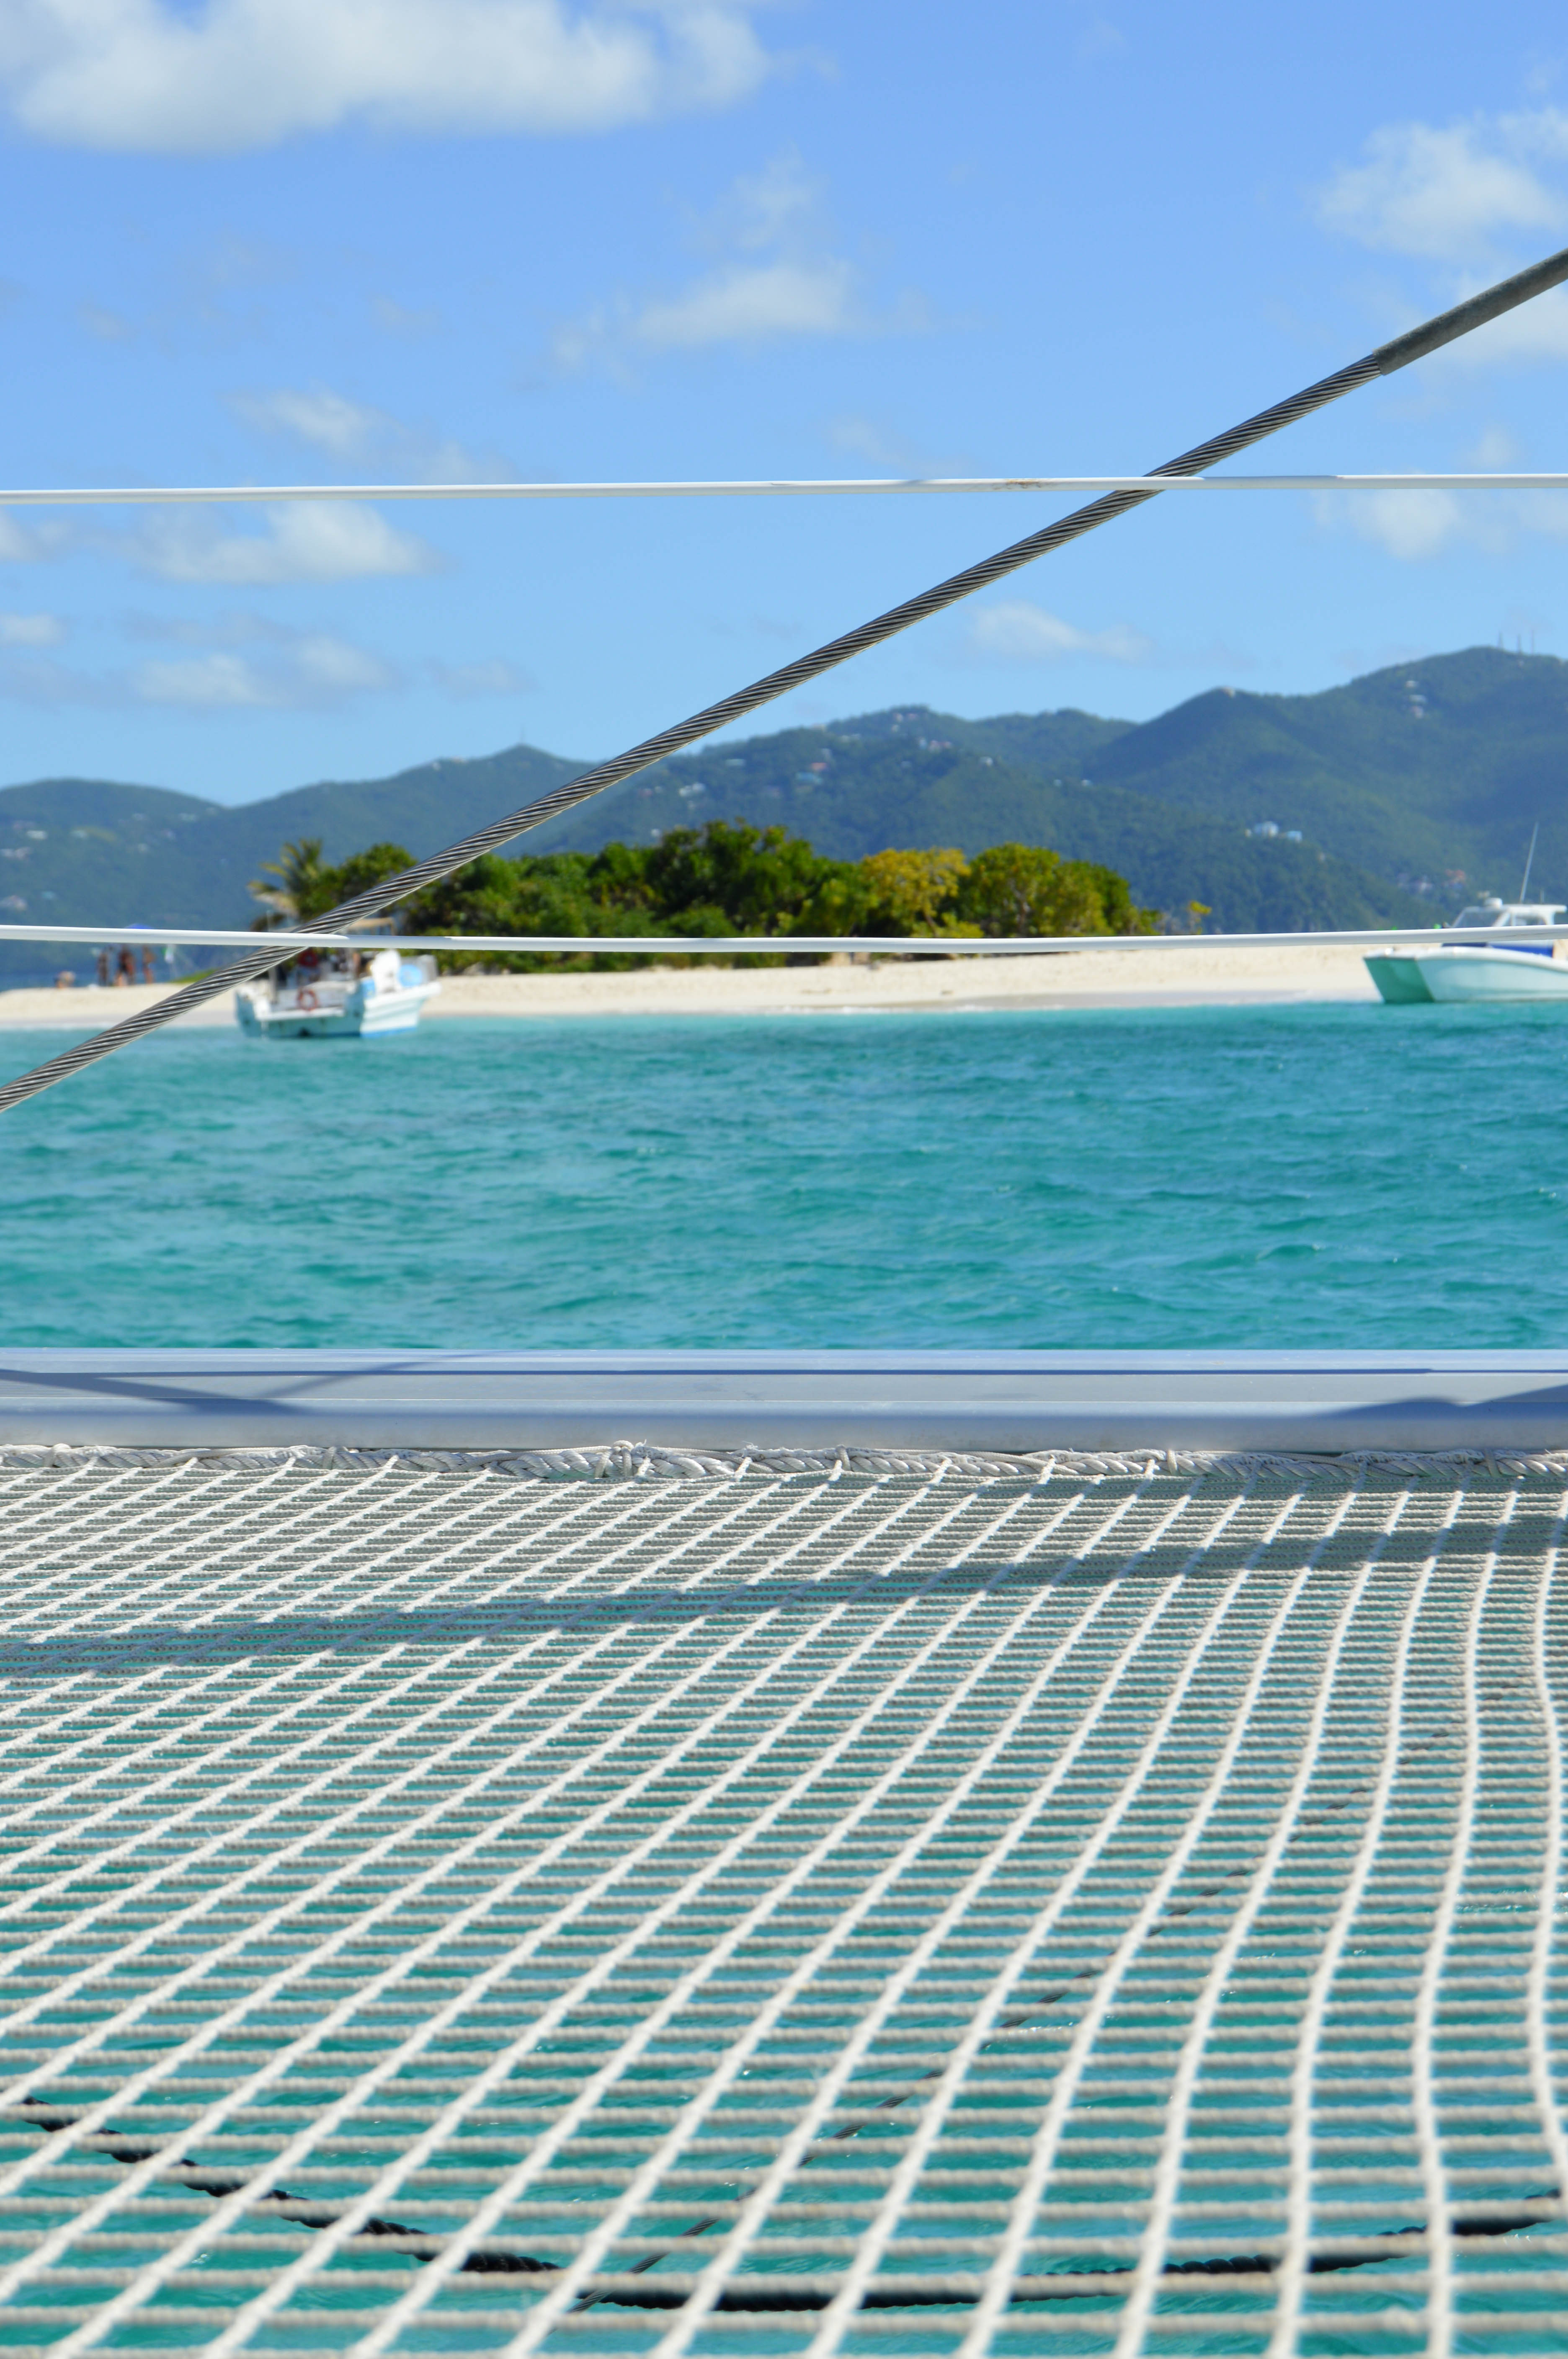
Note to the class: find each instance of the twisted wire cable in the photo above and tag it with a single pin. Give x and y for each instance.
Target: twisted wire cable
(1463, 319)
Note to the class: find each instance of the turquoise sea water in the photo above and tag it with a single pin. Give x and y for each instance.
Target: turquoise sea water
(1354, 1176)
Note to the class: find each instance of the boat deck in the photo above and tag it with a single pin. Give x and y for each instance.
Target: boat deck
(456, 1909)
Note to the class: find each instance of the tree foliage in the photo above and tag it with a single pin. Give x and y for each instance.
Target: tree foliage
(722, 879)
(916, 892)
(301, 890)
(1021, 888)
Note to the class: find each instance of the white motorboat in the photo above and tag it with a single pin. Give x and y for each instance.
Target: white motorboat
(348, 995)
(1454, 971)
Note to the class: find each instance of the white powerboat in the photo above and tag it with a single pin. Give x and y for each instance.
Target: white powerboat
(352, 996)
(1454, 971)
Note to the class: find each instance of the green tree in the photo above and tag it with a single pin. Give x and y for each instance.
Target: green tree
(1121, 912)
(542, 892)
(842, 903)
(916, 893)
(363, 870)
(723, 878)
(728, 879)
(617, 878)
(1021, 888)
(482, 898)
(303, 889)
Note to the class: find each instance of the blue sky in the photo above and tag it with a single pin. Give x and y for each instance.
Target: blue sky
(291, 240)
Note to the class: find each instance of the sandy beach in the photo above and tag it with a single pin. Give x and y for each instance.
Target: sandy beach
(1179, 977)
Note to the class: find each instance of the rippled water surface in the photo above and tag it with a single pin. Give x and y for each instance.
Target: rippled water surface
(1342, 1175)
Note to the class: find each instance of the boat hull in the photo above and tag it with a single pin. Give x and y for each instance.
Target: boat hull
(362, 1016)
(1460, 974)
(1400, 981)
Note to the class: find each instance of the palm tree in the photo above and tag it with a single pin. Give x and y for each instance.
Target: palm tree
(303, 890)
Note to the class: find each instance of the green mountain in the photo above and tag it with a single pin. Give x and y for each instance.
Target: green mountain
(1420, 783)
(861, 786)
(1411, 789)
(88, 852)
(1411, 772)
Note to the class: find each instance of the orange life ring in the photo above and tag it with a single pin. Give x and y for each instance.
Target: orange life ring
(307, 998)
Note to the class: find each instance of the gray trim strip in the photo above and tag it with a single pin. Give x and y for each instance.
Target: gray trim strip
(1012, 1401)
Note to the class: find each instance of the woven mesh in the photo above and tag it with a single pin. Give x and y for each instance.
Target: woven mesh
(448, 1912)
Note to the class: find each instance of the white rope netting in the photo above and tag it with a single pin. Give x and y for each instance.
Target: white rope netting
(1107, 1906)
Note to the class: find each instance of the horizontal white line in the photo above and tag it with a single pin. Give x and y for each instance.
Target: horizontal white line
(180, 494)
(771, 945)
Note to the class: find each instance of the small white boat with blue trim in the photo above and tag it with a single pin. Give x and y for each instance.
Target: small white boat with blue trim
(1480, 971)
(338, 996)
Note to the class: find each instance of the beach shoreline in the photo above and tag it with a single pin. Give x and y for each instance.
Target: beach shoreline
(1201, 977)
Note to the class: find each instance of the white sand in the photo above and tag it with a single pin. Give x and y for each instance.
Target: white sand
(1200, 976)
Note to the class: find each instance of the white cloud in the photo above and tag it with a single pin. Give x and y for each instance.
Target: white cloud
(313, 669)
(352, 433)
(25, 544)
(779, 278)
(233, 662)
(211, 680)
(403, 319)
(307, 540)
(1017, 631)
(1407, 525)
(1495, 449)
(1416, 526)
(30, 677)
(864, 439)
(493, 679)
(1447, 194)
(157, 77)
(328, 421)
(1100, 38)
(32, 630)
(228, 663)
(109, 327)
(744, 305)
(315, 541)
(1476, 199)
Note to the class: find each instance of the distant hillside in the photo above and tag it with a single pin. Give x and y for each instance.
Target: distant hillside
(1427, 778)
(905, 779)
(424, 808)
(87, 852)
(1423, 768)
(79, 851)
(1412, 788)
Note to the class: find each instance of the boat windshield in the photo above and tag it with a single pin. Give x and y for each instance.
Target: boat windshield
(315, 966)
(1514, 913)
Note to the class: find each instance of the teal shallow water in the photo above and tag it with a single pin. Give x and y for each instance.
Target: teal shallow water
(1340, 1175)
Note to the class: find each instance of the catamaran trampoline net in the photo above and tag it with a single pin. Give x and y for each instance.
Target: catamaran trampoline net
(447, 1912)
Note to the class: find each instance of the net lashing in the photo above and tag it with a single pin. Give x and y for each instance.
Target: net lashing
(1094, 1909)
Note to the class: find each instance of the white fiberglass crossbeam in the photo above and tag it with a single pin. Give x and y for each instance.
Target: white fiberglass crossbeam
(770, 945)
(185, 494)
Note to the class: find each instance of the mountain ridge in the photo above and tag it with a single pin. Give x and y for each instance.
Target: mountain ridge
(1411, 787)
